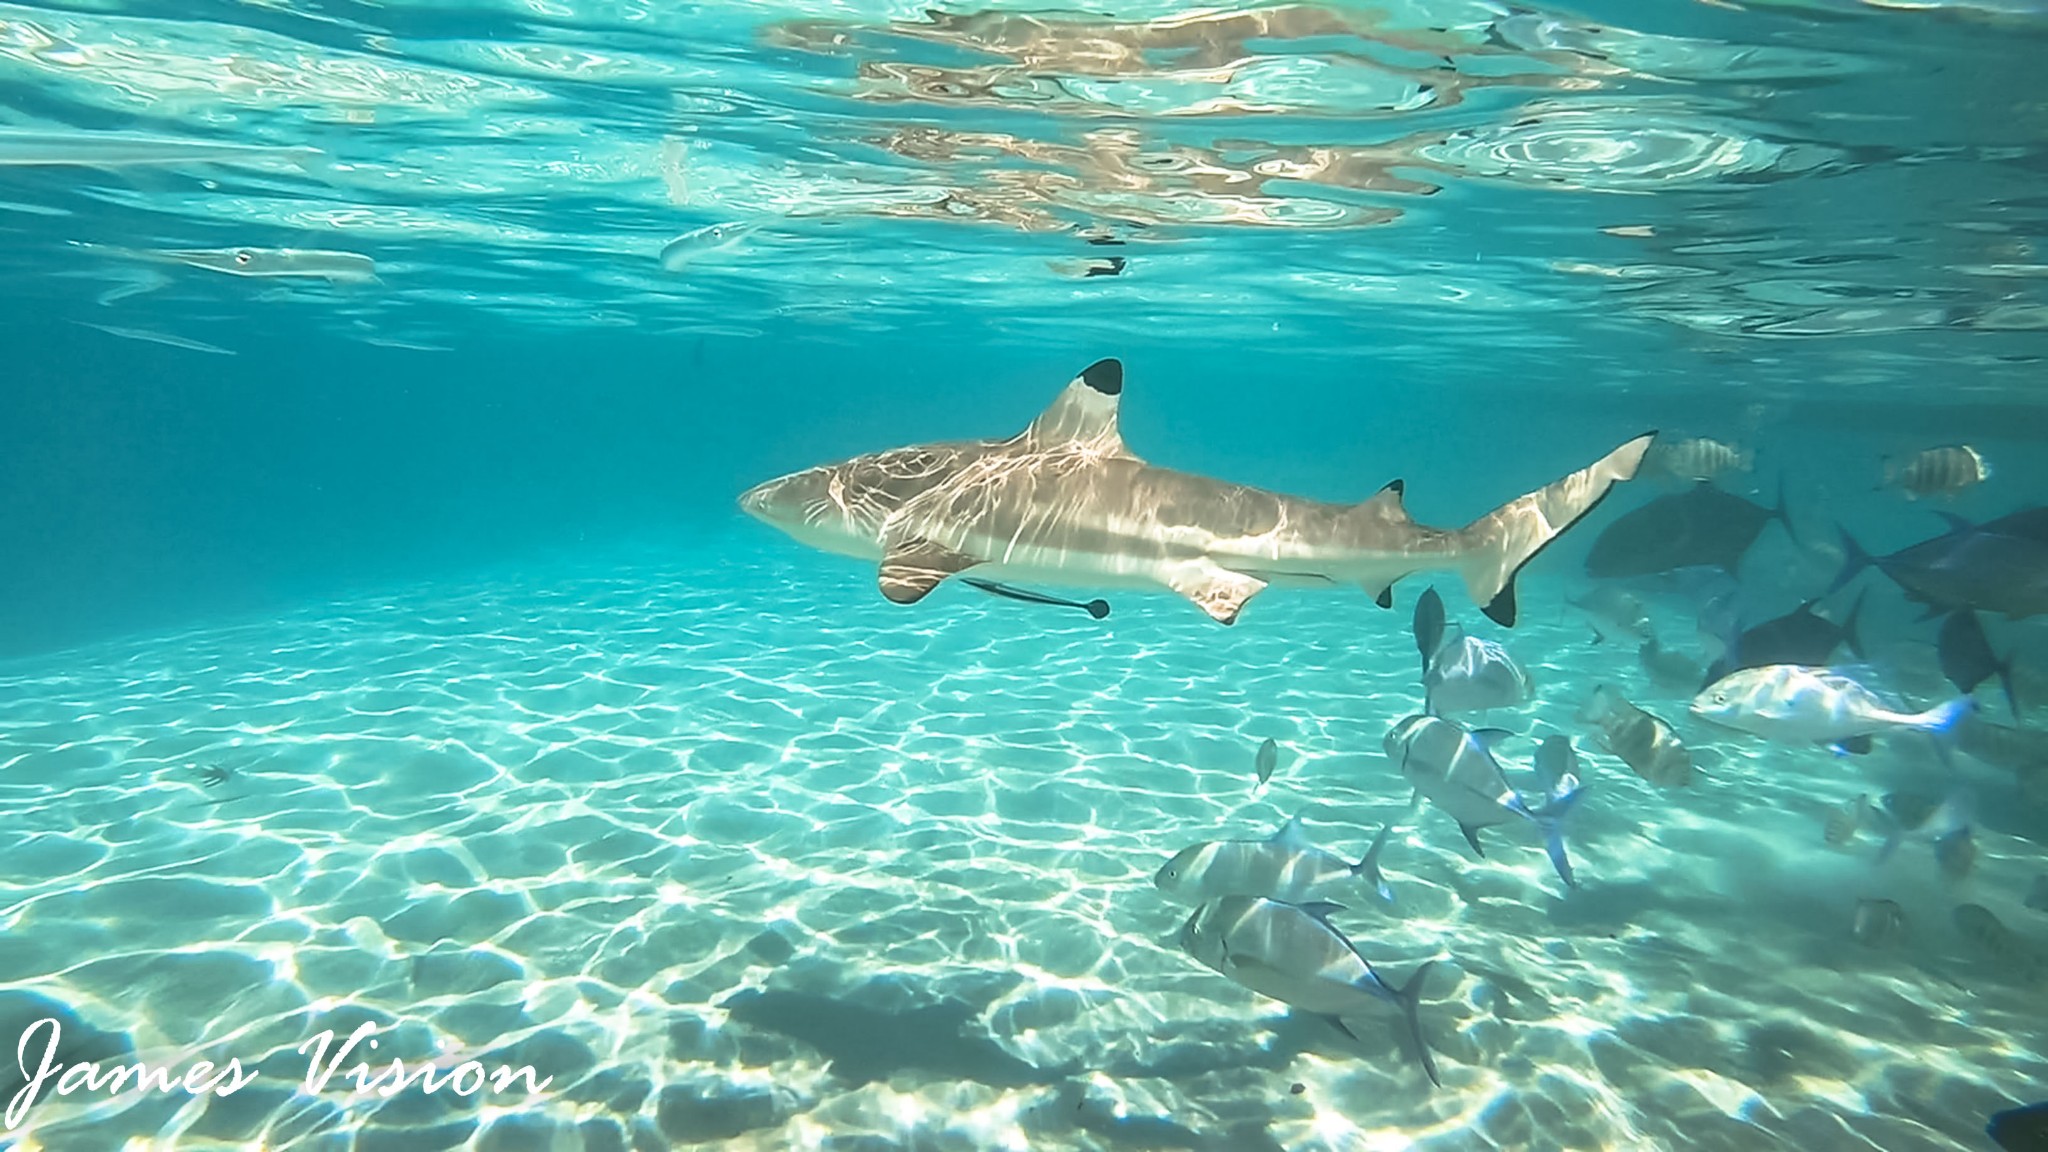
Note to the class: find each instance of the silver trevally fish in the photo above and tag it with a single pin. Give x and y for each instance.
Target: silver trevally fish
(1292, 953)
(1455, 770)
(1066, 502)
(1462, 673)
(1283, 866)
(1795, 703)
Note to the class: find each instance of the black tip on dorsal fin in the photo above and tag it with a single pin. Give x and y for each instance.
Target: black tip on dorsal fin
(1397, 487)
(1105, 376)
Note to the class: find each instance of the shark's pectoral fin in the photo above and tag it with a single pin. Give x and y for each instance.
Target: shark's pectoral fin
(1382, 595)
(913, 568)
(1215, 589)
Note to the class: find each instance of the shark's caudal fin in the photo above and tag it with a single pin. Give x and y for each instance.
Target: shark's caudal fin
(1498, 544)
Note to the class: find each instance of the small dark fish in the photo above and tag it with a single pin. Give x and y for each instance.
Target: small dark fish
(213, 775)
(1428, 625)
(1113, 266)
(1669, 670)
(1941, 472)
(1267, 759)
(1843, 823)
(1998, 567)
(1095, 608)
(1800, 636)
(2020, 1129)
(1702, 526)
(1878, 923)
(1967, 659)
(1956, 853)
(1983, 931)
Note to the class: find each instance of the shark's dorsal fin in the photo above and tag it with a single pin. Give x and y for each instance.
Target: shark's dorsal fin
(1084, 415)
(914, 567)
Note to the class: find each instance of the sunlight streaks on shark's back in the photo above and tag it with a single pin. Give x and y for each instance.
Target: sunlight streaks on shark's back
(1067, 502)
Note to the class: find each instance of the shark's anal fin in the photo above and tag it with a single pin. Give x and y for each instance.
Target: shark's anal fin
(913, 568)
(1216, 590)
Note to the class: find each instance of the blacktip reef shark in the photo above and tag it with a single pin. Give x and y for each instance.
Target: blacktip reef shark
(1066, 502)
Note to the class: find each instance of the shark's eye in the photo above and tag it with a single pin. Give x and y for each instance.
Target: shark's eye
(244, 256)
(1173, 873)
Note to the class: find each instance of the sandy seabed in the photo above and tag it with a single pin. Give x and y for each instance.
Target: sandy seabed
(733, 851)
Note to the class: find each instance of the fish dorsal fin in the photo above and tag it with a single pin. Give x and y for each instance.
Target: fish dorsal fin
(1955, 523)
(1085, 414)
(1291, 835)
(1320, 909)
(1490, 738)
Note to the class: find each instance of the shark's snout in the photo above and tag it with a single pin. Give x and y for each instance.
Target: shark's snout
(754, 501)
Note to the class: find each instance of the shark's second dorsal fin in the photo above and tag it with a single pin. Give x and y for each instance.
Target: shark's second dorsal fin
(1085, 413)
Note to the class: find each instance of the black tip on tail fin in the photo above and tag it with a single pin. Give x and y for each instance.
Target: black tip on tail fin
(1501, 609)
(1386, 597)
(1555, 508)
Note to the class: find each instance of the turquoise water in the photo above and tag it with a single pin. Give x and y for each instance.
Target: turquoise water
(381, 641)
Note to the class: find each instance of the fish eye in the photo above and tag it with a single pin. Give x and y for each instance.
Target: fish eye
(1720, 697)
(1173, 873)
(244, 256)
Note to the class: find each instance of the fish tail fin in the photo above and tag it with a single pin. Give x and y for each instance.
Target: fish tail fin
(1368, 866)
(1549, 820)
(1784, 512)
(1854, 560)
(1849, 635)
(1942, 721)
(2012, 696)
(1497, 545)
(1409, 997)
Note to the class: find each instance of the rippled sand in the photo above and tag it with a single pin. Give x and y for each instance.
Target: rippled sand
(735, 851)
